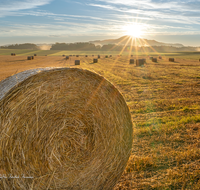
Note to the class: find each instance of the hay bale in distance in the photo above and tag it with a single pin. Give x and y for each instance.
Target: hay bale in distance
(67, 57)
(66, 128)
(32, 57)
(144, 60)
(110, 55)
(77, 55)
(29, 58)
(140, 62)
(77, 62)
(131, 61)
(86, 56)
(11, 54)
(171, 59)
(95, 60)
(160, 57)
(63, 55)
(106, 56)
(154, 59)
(35, 55)
(99, 56)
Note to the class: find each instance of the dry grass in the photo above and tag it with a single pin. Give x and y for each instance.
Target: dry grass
(164, 101)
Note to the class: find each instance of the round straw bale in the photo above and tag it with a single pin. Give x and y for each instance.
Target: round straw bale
(99, 56)
(77, 62)
(131, 61)
(140, 62)
(35, 54)
(171, 59)
(95, 60)
(29, 58)
(62, 128)
(106, 56)
(11, 54)
(77, 55)
(32, 57)
(86, 56)
(144, 60)
(63, 55)
(67, 57)
(154, 59)
(110, 55)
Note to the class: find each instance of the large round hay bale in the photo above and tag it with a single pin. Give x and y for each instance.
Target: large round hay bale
(63, 128)
(29, 58)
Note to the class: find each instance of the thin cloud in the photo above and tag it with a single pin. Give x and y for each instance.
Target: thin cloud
(174, 12)
(9, 6)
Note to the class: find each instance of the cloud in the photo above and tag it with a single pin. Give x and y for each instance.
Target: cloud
(168, 10)
(9, 6)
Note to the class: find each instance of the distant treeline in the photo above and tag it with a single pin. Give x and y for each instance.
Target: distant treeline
(113, 47)
(85, 46)
(21, 46)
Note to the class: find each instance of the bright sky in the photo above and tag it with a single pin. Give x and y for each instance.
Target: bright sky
(50, 21)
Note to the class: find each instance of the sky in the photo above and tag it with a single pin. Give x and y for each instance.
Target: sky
(50, 21)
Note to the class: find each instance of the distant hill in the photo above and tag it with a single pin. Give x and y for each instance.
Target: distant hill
(137, 42)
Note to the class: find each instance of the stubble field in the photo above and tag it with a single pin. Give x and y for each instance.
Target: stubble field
(164, 101)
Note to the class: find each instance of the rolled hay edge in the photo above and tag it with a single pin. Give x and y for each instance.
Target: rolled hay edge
(71, 129)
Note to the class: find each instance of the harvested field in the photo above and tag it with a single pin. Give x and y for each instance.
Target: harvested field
(164, 101)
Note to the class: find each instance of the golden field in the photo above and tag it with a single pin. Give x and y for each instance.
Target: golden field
(164, 101)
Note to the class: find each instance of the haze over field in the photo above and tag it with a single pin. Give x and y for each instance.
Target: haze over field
(50, 21)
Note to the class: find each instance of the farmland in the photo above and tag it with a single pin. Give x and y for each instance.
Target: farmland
(164, 101)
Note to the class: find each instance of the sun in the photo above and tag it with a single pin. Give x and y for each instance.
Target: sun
(133, 30)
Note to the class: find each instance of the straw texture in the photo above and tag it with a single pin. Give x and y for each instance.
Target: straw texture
(62, 128)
